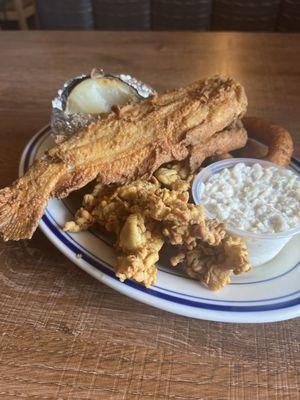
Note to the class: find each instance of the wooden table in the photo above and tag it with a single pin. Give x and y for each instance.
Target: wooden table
(63, 335)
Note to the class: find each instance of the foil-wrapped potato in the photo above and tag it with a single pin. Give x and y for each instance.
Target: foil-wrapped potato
(82, 99)
(98, 95)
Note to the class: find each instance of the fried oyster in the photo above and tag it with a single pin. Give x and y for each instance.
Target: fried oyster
(146, 214)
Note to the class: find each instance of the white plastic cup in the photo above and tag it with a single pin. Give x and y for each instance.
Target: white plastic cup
(262, 247)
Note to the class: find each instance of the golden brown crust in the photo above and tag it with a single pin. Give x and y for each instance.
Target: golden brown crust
(216, 158)
(138, 250)
(214, 265)
(278, 139)
(22, 204)
(231, 138)
(122, 147)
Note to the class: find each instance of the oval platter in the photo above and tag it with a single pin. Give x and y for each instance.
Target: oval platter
(270, 292)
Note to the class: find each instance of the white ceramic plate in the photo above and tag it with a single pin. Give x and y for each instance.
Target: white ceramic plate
(270, 292)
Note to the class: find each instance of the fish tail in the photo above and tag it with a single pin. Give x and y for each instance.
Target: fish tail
(15, 215)
(22, 204)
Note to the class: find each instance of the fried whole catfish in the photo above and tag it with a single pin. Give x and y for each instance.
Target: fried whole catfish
(127, 143)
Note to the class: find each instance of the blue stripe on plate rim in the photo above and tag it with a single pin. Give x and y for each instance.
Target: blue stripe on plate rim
(106, 270)
(102, 262)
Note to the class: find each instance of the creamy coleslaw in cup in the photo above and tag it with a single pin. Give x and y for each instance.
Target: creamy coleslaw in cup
(257, 200)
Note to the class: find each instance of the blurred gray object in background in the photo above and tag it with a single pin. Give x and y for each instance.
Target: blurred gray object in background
(195, 15)
(65, 14)
(181, 14)
(122, 14)
(289, 17)
(239, 15)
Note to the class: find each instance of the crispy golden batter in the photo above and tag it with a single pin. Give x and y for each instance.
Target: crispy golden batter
(175, 176)
(145, 215)
(129, 142)
(139, 246)
(216, 158)
(213, 265)
(231, 138)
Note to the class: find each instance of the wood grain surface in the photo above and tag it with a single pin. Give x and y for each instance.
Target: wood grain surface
(63, 335)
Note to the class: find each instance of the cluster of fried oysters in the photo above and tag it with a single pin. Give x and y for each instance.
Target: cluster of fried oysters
(146, 214)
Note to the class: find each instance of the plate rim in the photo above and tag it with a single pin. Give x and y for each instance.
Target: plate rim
(144, 295)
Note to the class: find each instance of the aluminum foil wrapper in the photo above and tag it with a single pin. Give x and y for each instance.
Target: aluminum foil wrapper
(67, 124)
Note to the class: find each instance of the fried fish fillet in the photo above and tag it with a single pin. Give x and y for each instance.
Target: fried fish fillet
(129, 142)
(232, 138)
